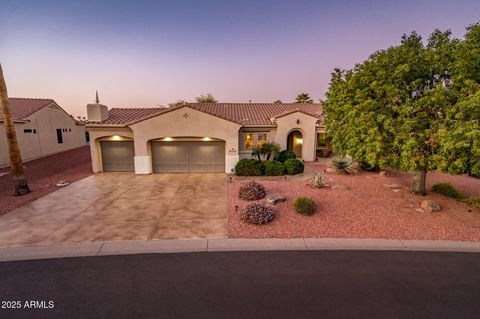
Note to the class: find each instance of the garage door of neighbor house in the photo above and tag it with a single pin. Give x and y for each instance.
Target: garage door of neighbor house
(117, 156)
(188, 157)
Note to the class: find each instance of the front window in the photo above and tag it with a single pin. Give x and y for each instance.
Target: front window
(250, 140)
(321, 139)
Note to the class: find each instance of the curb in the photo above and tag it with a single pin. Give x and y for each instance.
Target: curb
(230, 244)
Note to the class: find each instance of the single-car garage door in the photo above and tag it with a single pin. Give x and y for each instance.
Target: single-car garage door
(117, 156)
(188, 156)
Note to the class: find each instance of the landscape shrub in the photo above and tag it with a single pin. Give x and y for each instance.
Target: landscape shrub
(304, 205)
(273, 168)
(364, 166)
(252, 191)
(257, 214)
(473, 201)
(293, 166)
(248, 167)
(343, 165)
(446, 189)
(318, 180)
(285, 155)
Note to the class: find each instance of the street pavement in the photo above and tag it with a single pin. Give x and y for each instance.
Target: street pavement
(255, 284)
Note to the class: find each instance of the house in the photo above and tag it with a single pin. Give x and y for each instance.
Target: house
(199, 137)
(43, 128)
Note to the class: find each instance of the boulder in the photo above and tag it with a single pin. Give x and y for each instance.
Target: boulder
(275, 199)
(430, 206)
(393, 186)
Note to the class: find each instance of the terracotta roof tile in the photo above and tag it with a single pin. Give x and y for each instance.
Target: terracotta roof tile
(22, 108)
(241, 113)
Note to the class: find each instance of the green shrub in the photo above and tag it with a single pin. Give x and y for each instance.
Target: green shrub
(369, 168)
(304, 205)
(257, 214)
(473, 201)
(248, 167)
(343, 165)
(447, 189)
(252, 191)
(285, 155)
(293, 166)
(274, 168)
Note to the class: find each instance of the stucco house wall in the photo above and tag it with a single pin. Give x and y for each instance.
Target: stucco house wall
(183, 122)
(43, 141)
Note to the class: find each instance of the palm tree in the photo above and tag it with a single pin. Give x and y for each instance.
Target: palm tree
(304, 98)
(16, 164)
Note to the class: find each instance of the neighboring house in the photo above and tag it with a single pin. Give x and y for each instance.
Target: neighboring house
(199, 137)
(43, 128)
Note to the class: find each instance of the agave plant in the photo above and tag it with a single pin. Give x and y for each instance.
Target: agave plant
(343, 165)
(318, 180)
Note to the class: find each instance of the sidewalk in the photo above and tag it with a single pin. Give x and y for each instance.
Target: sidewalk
(229, 244)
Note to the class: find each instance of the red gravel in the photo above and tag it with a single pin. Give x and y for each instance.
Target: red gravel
(368, 209)
(43, 174)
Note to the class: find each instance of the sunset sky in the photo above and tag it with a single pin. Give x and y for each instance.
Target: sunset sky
(146, 53)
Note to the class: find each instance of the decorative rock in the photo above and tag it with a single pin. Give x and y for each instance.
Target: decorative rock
(275, 199)
(430, 206)
(340, 187)
(419, 210)
(383, 173)
(62, 184)
(393, 186)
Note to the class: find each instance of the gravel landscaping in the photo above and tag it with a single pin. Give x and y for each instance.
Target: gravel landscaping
(365, 205)
(43, 174)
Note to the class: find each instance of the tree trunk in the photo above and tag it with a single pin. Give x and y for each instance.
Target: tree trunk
(16, 164)
(418, 182)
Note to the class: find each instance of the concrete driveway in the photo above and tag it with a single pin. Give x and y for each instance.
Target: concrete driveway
(123, 206)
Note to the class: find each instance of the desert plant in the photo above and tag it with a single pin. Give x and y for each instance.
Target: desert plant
(252, 191)
(318, 180)
(294, 166)
(257, 214)
(473, 201)
(447, 189)
(285, 155)
(304, 205)
(248, 167)
(343, 165)
(364, 166)
(274, 168)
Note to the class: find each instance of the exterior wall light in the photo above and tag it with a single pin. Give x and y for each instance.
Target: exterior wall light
(207, 139)
(300, 141)
(298, 121)
(168, 139)
(116, 138)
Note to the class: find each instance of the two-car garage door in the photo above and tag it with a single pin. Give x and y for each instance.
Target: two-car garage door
(167, 156)
(192, 156)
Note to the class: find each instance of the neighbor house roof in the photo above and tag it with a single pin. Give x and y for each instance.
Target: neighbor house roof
(22, 108)
(241, 113)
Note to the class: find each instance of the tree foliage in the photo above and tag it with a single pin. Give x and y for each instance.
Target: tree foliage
(303, 98)
(206, 99)
(414, 106)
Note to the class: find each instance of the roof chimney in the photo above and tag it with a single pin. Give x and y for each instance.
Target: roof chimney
(97, 112)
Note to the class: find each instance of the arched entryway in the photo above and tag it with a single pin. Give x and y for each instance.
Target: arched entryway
(294, 142)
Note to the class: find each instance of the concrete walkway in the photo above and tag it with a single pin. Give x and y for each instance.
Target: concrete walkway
(229, 244)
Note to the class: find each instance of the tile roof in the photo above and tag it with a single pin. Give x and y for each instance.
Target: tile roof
(241, 113)
(22, 108)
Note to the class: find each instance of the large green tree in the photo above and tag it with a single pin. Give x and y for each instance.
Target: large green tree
(402, 107)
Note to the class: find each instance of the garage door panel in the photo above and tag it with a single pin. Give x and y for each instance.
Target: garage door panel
(207, 157)
(188, 157)
(169, 157)
(118, 156)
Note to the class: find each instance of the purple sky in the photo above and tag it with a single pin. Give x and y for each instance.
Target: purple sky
(146, 53)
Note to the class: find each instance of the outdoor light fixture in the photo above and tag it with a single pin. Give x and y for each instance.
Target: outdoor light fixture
(116, 138)
(168, 139)
(298, 121)
(300, 141)
(207, 138)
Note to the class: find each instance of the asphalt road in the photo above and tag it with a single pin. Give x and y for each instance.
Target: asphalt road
(320, 284)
